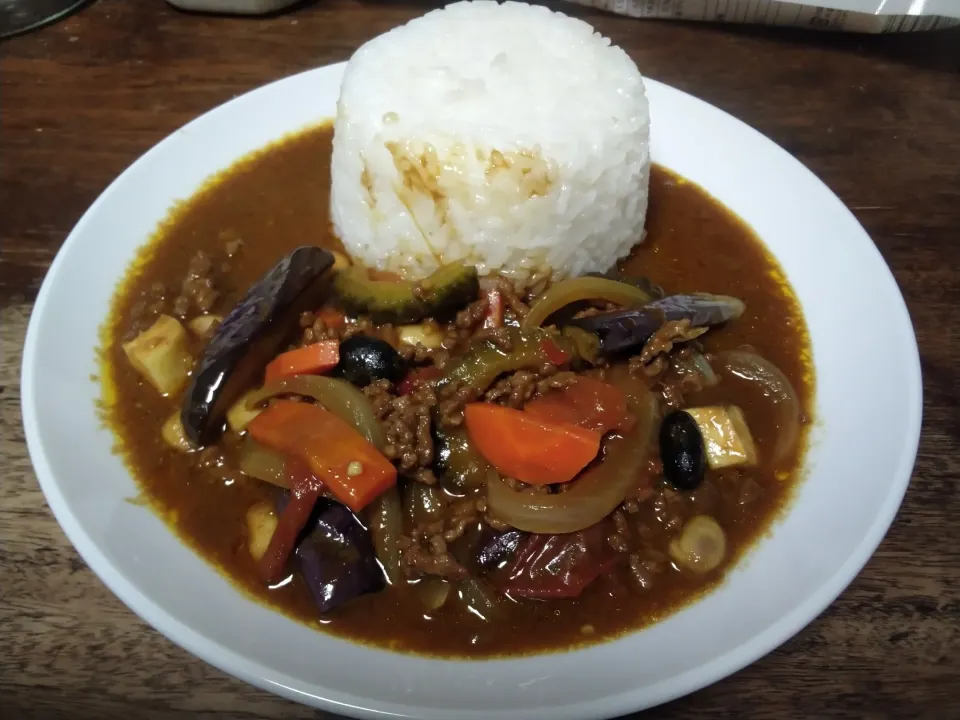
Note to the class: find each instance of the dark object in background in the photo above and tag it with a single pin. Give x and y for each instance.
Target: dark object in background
(234, 7)
(19, 16)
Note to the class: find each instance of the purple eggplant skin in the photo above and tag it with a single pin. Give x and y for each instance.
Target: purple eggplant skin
(250, 336)
(623, 329)
(335, 555)
(496, 548)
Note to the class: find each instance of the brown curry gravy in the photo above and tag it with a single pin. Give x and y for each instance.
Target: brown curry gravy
(276, 200)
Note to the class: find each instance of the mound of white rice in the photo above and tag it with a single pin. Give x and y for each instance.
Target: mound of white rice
(505, 136)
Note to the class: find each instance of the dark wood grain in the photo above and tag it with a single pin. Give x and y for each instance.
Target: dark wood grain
(877, 117)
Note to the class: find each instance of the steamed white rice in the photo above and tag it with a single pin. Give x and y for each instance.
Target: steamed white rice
(505, 136)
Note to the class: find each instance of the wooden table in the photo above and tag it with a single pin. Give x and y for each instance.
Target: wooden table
(878, 118)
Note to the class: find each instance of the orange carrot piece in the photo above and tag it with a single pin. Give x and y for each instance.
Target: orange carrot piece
(320, 357)
(527, 448)
(340, 457)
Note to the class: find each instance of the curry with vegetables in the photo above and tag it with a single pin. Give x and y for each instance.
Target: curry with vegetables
(462, 465)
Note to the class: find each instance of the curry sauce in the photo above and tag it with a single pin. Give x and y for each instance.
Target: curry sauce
(277, 200)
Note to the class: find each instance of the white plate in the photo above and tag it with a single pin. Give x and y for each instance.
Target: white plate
(868, 409)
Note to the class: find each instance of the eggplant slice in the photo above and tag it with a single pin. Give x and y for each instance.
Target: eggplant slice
(250, 336)
(624, 329)
(335, 555)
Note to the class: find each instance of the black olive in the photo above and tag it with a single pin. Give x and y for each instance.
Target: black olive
(364, 359)
(250, 336)
(682, 451)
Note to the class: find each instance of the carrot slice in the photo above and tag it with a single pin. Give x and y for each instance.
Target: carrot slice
(340, 457)
(527, 448)
(587, 402)
(317, 358)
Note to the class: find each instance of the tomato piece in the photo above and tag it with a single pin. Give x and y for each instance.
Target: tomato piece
(555, 354)
(548, 567)
(305, 490)
(416, 378)
(587, 402)
(527, 448)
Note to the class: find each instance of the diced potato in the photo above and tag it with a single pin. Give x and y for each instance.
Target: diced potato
(261, 524)
(173, 434)
(426, 334)
(340, 261)
(726, 437)
(701, 547)
(203, 325)
(160, 354)
(239, 415)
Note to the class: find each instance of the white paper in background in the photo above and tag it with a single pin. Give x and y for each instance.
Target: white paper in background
(867, 16)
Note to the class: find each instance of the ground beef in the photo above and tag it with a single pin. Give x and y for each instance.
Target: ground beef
(407, 421)
(554, 380)
(621, 536)
(420, 355)
(652, 359)
(143, 313)
(426, 549)
(518, 388)
(679, 380)
(458, 334)
(315, 329)
(198, 292)
(451, 399)
(429, 558)
(513, 390)
(499, 337)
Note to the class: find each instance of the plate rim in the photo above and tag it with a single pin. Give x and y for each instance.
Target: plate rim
(237, 665)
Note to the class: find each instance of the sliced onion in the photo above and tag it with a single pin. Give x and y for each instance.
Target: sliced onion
(706, 371)
(338, 396)
(701, 547)
(386, 526)
(598, 491)
(561, 294)
(480, 600)
(424, 503)
(432, 592)
(753, 368)
(263, 463)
